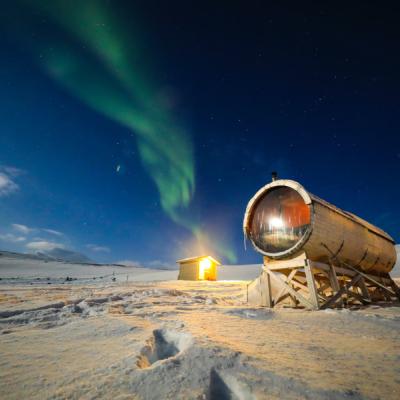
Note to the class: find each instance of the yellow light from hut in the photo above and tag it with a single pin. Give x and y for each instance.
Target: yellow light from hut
(204, 266)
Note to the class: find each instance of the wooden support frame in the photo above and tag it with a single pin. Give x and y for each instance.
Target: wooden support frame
(311, 284)
(283, 289)
(300, 282)
(266, 292)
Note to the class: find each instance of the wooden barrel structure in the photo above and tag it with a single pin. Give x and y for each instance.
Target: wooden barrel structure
(283, 219)
(286, 223)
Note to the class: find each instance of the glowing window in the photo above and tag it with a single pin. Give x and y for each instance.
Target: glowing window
(279, 220)
(204, 266)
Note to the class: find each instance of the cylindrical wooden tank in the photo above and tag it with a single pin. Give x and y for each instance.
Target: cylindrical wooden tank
(283, 219)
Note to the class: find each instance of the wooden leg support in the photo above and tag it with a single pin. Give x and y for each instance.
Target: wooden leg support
(311, 285)
(266, 290)
(340, 292)
(316, 285)
(283, 290)
(395, 288)
(282, 284)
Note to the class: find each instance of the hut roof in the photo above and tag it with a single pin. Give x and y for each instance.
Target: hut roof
(198, 258)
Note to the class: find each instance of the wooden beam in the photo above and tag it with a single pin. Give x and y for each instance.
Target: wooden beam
(282, 266)
(311, 285)
(297, 262)
(265, 288)
(358, 297)
(339, 294)
(322, 272)
(333, 278)
(300, 285)
(369, 278)
(319, 265)
(364, 289)
(384, 281)
(291, 291)
(322, 288)
(334, 281)
(345, 271)
(395, 288)
(283, 297)
(284, 290)
(322, 283)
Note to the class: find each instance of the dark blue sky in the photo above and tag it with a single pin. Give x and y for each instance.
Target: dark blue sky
(310, 91)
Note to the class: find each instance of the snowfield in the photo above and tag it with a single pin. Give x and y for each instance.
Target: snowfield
(147, 336)
(21, 268)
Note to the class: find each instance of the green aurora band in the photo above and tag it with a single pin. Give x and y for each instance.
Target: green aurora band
(96, 61)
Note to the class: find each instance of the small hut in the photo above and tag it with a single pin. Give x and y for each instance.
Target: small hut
(202, 268)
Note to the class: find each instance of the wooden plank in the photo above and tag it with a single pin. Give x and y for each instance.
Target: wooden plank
(323, 287)
(345, 271)
(257, 293)
(319, 265)
(311, 285)
(293, 301)
(265, 286)
(364, 289)
(282, 266)
(358, 297)
(333, 278)
(297, 262)
(384, 281)
(334, 281)
(369, 278)
(339, 294)
(254, 292)
(340, 270)
(300, 285)
(284, 290)
(321, 272)
(395, 288)
(291, 291)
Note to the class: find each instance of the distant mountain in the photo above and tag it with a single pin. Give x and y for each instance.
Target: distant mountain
(22, 256)
(156, 264)
(59, 254)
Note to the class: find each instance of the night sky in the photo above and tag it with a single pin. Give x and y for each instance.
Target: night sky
(138, 130)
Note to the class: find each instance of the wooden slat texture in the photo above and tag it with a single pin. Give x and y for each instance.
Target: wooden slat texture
(280, 282)
(353, 240)
(311, 285)
(339, 294)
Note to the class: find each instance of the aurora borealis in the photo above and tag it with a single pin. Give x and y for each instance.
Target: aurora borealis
(171, 115)
(92, 57)
(107, 77)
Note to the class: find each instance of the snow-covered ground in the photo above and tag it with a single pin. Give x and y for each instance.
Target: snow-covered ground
(16, 268)
(152, 337)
